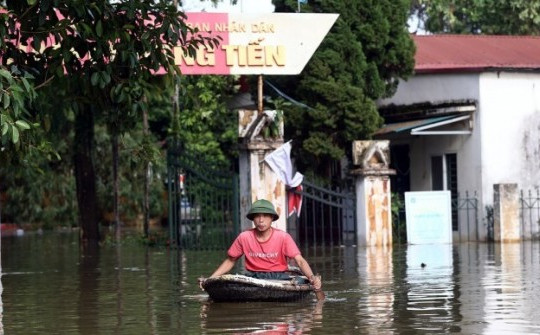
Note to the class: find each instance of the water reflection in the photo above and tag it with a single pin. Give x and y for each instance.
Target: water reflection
(51, 286)
(1, 304)
(378, 273)
(1, 289)
(261, 318)
(432, 287)
(88, 291)
(510, 291)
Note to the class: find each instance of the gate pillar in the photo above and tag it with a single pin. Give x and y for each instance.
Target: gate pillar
(373, 196)
(506, 221)
(257, 180)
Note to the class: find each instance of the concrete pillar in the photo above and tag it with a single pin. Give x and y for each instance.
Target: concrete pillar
(257, 180)
(373, 204)
(506, 222)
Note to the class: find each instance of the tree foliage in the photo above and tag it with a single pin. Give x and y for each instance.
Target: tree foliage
(94, 62)
(358, 62)
(16, 96)
(41, 190)
(207, 125)
(508, 17)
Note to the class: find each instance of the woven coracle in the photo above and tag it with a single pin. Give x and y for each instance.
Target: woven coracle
(238, 288)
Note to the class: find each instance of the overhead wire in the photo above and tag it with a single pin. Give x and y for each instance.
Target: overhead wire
(296, 102)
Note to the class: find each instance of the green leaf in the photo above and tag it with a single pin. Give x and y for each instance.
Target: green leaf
(36, 43)
(94, 78)
(106, 77)
(7, 100)
(5, 128)
(5, 74)
(23, 125)
(121, 97)
(86, 27)
(15, 134)
(26, 84)
(99, 28)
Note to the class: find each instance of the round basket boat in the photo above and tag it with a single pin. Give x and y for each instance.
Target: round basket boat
(236, 287)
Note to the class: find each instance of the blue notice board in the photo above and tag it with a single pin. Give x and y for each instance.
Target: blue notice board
(429, 217)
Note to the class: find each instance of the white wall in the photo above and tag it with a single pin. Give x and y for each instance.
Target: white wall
(435, 88)
(510, 130)
(504, 146)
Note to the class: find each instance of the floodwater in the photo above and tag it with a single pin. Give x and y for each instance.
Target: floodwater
(50, 286)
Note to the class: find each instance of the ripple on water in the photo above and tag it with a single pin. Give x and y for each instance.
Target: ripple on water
(50, 287)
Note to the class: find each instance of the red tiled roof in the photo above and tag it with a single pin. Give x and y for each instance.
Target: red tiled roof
(473, 53)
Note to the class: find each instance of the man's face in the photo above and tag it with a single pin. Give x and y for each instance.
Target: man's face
(262, 221)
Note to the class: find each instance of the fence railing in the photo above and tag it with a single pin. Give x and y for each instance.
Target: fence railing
(465, 209)
(327, 216)
(530, 214)
(464, 213)
(203, 202)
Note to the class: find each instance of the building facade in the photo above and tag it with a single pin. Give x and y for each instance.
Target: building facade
(467, 120)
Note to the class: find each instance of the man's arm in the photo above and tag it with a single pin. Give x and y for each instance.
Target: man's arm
(225, 267)
(306, 270)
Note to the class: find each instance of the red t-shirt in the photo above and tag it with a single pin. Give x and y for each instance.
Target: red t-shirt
(269, 256)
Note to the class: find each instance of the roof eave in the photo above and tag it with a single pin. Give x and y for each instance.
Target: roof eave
(469, 69)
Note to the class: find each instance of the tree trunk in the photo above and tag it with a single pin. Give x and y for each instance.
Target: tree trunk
(146, 202)
(85, 176)
(0, 206)
(116, 187)
(1, 288)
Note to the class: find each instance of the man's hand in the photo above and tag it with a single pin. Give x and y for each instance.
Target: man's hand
(201, 281)
(316, 282)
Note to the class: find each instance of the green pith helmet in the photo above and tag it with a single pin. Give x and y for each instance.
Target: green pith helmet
(262, 206)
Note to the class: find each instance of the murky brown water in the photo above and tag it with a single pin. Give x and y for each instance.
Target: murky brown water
(50, 287)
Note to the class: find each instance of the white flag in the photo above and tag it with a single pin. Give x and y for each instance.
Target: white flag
(279, 161)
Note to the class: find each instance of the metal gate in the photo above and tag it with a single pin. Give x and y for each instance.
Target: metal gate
(465, 209)
(327, 216)
(530, 214)
(203, 202)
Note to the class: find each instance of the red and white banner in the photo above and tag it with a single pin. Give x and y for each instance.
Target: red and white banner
(294, 201)
(279, 161)
(266, 43)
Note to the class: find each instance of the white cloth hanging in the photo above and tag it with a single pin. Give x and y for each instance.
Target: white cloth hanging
(279, 161)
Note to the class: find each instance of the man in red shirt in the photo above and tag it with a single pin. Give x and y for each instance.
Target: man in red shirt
(266, 249)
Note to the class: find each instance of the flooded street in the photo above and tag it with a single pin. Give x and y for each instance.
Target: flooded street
(51, 287)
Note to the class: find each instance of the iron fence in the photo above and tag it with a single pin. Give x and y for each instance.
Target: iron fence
(327, 216)
(464, 219)
(203, 202)
(530, 214)
(465, 210)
